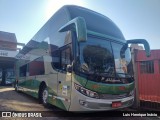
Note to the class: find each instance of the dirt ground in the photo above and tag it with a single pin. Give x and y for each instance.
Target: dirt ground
(12, 101)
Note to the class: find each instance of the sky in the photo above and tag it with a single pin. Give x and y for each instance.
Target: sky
(135, 18)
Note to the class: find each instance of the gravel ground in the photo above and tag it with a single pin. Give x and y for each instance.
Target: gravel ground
(12, 101)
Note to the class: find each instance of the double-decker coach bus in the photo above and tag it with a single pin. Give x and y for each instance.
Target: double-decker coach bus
(78, 61)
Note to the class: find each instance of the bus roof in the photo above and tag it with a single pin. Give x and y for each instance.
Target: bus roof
(95, 21)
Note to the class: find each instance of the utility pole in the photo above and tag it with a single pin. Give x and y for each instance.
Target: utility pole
(134, 51)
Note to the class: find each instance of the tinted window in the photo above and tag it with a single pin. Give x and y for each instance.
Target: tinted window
(56, 59)
(96, 22)
(96, 56)
(122, 65)
(59, 53)
(23, 71)
(36, 67)
(61, 58)
(65, 58)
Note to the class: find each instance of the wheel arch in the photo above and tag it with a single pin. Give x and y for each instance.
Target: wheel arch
(42, 84)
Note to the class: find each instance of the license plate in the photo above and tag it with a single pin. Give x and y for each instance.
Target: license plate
(116, 104)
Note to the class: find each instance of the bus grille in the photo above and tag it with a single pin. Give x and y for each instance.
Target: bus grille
(108, 96)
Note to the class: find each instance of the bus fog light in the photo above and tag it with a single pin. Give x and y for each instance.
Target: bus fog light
(83, 103)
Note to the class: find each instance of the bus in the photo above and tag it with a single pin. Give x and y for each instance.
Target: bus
(78, 61)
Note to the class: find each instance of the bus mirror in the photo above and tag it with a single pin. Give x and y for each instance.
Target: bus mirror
(136, 41)
(79, 25)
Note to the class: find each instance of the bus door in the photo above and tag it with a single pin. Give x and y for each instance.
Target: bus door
(64, 78)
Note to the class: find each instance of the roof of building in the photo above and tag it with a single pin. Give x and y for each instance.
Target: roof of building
(9, 37)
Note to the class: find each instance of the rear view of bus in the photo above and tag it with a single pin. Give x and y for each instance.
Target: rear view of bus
(78, 61)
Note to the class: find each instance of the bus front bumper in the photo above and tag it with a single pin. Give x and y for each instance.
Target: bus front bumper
(91, 104)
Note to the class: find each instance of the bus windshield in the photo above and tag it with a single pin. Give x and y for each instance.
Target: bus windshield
(100, 60)
(122, 65)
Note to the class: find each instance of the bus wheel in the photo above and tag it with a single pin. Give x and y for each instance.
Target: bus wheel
(44, 96)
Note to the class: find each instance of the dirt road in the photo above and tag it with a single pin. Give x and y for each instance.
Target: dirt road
(13, 101)
(10, 100)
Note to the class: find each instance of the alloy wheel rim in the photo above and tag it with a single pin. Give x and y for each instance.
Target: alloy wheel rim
(45, 96)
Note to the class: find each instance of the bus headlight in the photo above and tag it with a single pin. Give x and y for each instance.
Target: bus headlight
(85, 91)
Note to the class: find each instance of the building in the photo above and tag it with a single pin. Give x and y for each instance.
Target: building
(148, 69)
(147, 77)
(8, 51)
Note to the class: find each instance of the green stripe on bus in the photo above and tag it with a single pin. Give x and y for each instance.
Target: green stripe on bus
(109, 88)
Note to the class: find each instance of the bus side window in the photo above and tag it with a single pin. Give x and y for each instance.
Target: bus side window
(23, 71)
(65, 58)
(61, 57)
(36, 67)
(56, 59)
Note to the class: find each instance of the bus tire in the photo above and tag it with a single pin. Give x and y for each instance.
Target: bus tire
(43, 98)
(16, 87)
